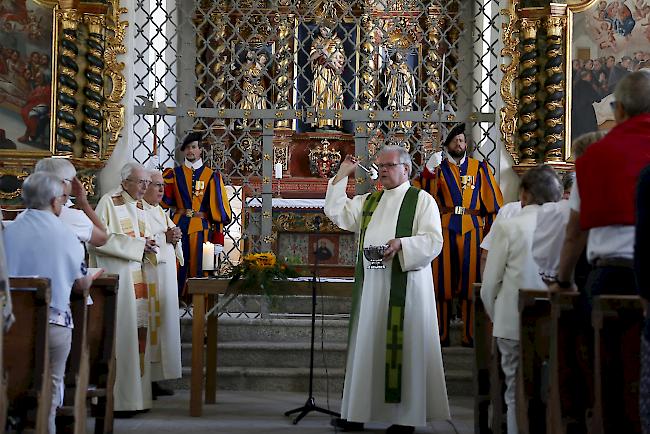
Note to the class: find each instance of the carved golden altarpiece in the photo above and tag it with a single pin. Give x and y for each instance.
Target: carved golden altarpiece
(86, 110)
(534, 119)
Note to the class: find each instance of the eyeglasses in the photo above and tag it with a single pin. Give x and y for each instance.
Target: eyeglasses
(143, 182)
(159, 184)
(388, 165)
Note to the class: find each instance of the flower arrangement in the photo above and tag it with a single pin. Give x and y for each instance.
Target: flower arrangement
(260, 270)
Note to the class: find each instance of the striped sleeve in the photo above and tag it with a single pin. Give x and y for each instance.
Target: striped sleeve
(491, 197)
(219, 203)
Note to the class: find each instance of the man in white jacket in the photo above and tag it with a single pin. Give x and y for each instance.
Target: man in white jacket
(510, 266)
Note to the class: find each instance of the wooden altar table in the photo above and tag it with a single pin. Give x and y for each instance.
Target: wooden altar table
(199, 288)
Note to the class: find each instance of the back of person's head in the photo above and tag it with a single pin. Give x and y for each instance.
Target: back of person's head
(633, 93)
(128, 169)
(61, 167)
(39, 189)
(402, 153)
(582, 142)
(542, 185)
(567, 181)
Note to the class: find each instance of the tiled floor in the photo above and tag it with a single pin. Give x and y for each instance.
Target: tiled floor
(263, 412)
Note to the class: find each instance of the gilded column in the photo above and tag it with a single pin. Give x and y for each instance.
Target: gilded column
(433, 68)
(528, 76)
(368, 73)
(93, 89)
(284, 62)
(66, 122)
(218, 63)
(554, 85)
(113, 108)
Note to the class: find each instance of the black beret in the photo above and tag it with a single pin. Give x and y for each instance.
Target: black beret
(458, 129)
(194, 136)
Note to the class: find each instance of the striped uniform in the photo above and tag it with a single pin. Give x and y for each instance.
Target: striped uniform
(472, 186)
(196, 191)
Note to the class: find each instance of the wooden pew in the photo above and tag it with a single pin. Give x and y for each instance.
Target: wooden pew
(25, 354)
(3, 379)
(71, 417)
(570, 396)
(618, 322)
(488, 378)
(101, 344)
(534, 332)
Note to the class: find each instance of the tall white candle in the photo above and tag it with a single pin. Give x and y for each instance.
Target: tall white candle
(278, 170)
(208, 256)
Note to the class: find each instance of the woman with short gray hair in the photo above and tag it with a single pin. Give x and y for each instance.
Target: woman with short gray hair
(41, 245)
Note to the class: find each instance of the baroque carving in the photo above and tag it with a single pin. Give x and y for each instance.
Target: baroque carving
(67, 81)
(554, 86)
(113, 107)
(92, 114)
(508, 112)
(529, 79)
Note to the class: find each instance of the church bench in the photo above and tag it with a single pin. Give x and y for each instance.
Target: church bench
(3, 379)
(618, 322)
(71, 417)
(534, 332)
(101, 350)
(488, 378)
(570, 367)
(25, 355)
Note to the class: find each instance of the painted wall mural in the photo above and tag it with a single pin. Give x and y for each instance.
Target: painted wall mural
(25, 75)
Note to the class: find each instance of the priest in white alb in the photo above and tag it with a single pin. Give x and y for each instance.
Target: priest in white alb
(394, 372)
(164, 331)
(129, 246)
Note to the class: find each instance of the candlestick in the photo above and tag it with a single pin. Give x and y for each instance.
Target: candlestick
(208, 256)
(278, 170)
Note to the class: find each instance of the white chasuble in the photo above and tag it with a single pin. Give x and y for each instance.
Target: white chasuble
(165, 335)
(424, 392)
(123, 254)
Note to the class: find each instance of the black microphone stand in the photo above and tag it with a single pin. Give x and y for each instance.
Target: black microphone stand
(310, 404)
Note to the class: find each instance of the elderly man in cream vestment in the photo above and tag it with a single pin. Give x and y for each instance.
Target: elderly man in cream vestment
(394, 372)
(130, 244)
(164, 330)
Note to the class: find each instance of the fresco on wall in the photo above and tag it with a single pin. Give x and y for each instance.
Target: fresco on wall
(612, 39)
(25, 75)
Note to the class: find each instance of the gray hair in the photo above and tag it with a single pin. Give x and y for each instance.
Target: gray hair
(61, 167)
(402, 153)
(128, 169)
(40, 188)
(582, 142)
(633, 93)
(543, 184)
(567, 181)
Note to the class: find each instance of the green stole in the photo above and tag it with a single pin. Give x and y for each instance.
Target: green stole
(397, 299)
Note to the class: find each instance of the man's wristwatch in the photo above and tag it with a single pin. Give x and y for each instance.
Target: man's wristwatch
(564, 284)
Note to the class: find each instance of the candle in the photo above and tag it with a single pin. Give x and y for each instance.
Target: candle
(278, 170)
(208, 256)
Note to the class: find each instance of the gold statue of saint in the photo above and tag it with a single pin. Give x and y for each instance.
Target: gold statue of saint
(400, 88)
(253, 90)
(327, 58)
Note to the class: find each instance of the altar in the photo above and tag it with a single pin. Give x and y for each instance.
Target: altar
(299, 228)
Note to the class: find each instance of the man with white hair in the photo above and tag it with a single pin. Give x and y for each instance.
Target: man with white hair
(165, 332)
(394, 372)
(129, 245)
(83, 221)
(41, 245)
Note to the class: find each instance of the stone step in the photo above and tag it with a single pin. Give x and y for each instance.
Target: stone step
(272, 330)
(276, 354)
(296, 355)
(459, 382)
(278, 329)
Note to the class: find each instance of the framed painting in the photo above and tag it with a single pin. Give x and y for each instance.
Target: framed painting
(610, 39)
(26, 47)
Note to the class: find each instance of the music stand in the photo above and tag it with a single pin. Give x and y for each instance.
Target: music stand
(322, 253)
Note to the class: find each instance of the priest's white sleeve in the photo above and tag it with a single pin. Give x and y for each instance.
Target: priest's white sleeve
(420, 249)
(344, 212)
(119, 245)
(495, 268)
